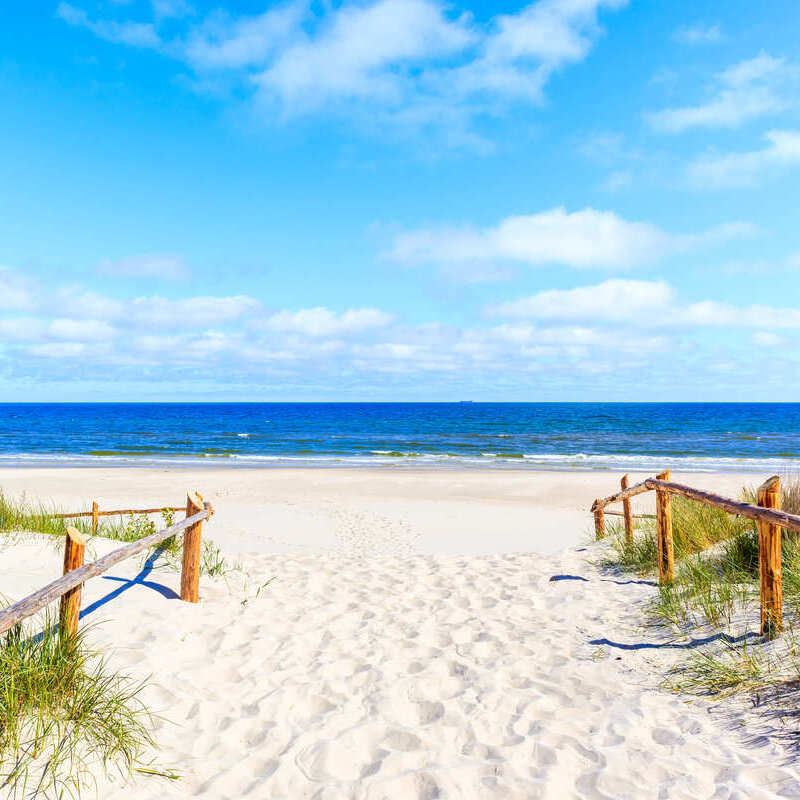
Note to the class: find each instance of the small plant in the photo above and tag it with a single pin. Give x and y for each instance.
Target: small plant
(63, 711)
(137, 527)
(20, 516)
(213, 562)
(720, 674)
(717, 586)
(260, 589)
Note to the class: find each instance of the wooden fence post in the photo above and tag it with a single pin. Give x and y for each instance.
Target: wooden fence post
(666, 551)
(192, 541)
(95, 517)
(769, 560)
(626, 512)
(599, 522)
(74, 548)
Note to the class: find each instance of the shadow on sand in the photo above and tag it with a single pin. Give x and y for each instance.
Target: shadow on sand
(139, 579)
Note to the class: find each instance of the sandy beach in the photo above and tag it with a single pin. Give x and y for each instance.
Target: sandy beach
(440, 634)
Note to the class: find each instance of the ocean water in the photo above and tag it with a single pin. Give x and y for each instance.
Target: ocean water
(627, 436)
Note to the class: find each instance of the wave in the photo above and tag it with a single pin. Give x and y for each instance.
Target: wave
(412, 459)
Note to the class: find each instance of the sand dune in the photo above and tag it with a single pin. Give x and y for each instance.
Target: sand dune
(406, 676)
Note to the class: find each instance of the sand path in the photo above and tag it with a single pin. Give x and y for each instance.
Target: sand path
(416, 677)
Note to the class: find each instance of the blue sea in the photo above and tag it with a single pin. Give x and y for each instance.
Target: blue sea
(569, 436)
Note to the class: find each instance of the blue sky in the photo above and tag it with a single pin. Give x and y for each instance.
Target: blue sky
(399, 200)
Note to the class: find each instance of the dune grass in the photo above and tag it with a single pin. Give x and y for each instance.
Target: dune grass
(64, 714)
(20, 517)
(716, 589)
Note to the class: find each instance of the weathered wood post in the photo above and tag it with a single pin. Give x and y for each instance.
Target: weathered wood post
(74, 548)
(666, 550)
(626, 512)
(95, 517)
(192, 541)
(769, 560)
(599, 520)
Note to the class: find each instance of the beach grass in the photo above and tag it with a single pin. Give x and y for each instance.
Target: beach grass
(716, 589)
(63, 712)
(19, 517)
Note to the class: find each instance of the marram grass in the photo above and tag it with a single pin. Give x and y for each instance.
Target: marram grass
(18, 517)
(64, 715)
(716, 595)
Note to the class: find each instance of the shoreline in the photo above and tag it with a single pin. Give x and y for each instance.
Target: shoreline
(525, 464)
(363, 511)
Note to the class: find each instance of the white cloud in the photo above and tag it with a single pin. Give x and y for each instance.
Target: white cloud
(223, 42)
(648, 304)
(162, 312)
(742, 169)
(581, 239)
(16, 292)
(136, 34)
(158, 266)
(767, 339)
(610, 301)
(524, 49)
(747, 90)
(698, 34)
(58, 350)
(359, 50)
(80, 330)
(163, 9)
(394, 64)
(324, 322)
(21, 329)
(87, 304)
(714, 313)
(191, 312)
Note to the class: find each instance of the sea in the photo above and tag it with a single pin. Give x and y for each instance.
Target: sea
(699, 437)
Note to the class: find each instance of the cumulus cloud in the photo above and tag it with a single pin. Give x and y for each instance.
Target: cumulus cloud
(324, 322)
(406, 63)
(80, 330)
(136, 34)
(582, 239)
(745, 91)
(744, 168)
(205, 311)
(223, 42)
(158, 266)
(646, 303)
(522, 50)
(611, 301)
(58, 350)
(554, 332)
(356, 54)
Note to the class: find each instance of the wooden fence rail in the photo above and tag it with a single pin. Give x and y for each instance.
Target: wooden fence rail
(767, 514)
(76, 573)
(95, 513)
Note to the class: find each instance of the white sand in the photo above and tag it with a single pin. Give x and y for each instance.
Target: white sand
(371, 667)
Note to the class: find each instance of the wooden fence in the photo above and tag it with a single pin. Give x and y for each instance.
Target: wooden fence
(69, 587)
(767, 514)
(96, 513)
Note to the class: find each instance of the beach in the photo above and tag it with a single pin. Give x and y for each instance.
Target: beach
(400, 634)
(361, 512)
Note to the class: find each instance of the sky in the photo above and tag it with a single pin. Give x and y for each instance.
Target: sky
(399, 200)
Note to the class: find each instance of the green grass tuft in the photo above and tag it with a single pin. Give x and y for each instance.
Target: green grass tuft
(63, 712)
(19, 517)
(717, 587)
